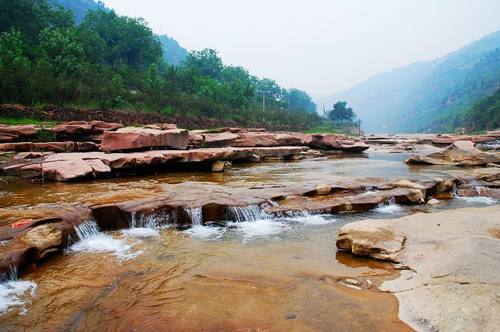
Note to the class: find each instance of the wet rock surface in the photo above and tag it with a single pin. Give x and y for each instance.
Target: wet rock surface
(453, 261)
(455, 156)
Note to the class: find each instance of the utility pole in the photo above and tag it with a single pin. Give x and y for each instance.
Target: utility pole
(359, 127)
(263, 105)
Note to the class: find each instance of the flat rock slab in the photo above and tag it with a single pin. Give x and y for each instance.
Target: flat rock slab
(453, 156)
(454, 257)
(66, 170)
(132, 138)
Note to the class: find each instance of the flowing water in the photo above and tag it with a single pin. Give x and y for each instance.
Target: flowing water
(257, 273)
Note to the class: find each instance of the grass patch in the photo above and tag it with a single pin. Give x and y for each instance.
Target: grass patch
(13, 122)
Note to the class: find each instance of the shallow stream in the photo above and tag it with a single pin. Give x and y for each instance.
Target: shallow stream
(257, 273)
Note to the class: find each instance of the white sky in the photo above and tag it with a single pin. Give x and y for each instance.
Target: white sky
(320, 46)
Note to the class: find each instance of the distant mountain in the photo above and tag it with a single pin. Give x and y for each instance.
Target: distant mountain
(426, 96)
(173, 53)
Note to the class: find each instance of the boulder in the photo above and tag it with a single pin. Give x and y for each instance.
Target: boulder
(336, 142)
(98, 127)
(45, 239)
(433, 202)
(86, 146)
(323, 189)
(252, 139)
(195, 140)
(66, 170)
(220, 166)
(143, 138)
(444, 185)
(219, 140)
(375, 239)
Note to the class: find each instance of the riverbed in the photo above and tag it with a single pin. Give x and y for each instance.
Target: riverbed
(256, 273)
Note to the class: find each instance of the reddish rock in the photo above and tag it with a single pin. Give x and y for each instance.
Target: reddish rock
(98, 167)
(195, 140)
(31, 171)
(219, 140)
(336, 142)
(288, 139)
(10, 133)
(31, 155)
(257, 130)
(98, 127)
(66, 170)
(141, 138)
(73, 128)
(252, 139)
(86, 146)
(232, 130)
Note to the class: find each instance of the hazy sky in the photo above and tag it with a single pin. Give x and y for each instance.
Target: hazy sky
(320, 46)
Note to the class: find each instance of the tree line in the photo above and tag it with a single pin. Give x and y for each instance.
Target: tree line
(113, 61)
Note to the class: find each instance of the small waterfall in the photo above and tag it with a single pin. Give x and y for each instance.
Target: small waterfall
(10, 275)
(454, 190)
(246, 213)
(14, 292)
(153, 220)
(87, 229)
(294, 214)
(196, 215)
(389, 206)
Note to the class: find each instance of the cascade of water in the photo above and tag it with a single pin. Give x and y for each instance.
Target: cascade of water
(152, 220)
(196, 215)
(246, 213)
(10, 275)
(87, 229)
(454, 190)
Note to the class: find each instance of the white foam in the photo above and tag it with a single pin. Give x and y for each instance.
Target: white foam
(104, 243)
(314, 219)
(205, 232)
(388, 208)
(259, 228)
(477, 200)
(141, 232)
(15, 294)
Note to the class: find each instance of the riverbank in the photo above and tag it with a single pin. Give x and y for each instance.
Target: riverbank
(450, 261)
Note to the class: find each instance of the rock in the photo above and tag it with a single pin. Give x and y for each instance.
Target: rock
(45, 239)
(323, 189)
(455, 157)
(66, 170)
(220, 166)
(287, 140)
(162, 126)
(415, 195)
(444, 186)
(487, 174)
(336, 142)
(195, 140)
(371, 239)
(86, 146)
(31, 171)
(492, 165)
(408, 184)
(72, 129)
(31, 155)
(14, 133)
(433, 202)
(98, 167)
(219, 140)
(251, 139)
(143, 138)
(463, 145)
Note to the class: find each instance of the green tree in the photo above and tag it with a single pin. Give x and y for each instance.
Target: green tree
(340, 113)
(123, 40)
(154, 89)
(14, 67)
(205, 63)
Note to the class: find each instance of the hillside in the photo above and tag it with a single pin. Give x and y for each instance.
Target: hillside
(427, 96)
(173, 53)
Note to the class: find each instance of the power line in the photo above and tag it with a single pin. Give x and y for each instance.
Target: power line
(423, 81)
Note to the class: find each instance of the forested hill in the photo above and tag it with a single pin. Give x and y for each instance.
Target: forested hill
(427, 96)
(110, 61)
(79, 7)
(173, 53)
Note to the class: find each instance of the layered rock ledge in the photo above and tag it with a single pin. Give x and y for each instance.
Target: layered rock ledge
(24, 244)
(451, 262)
